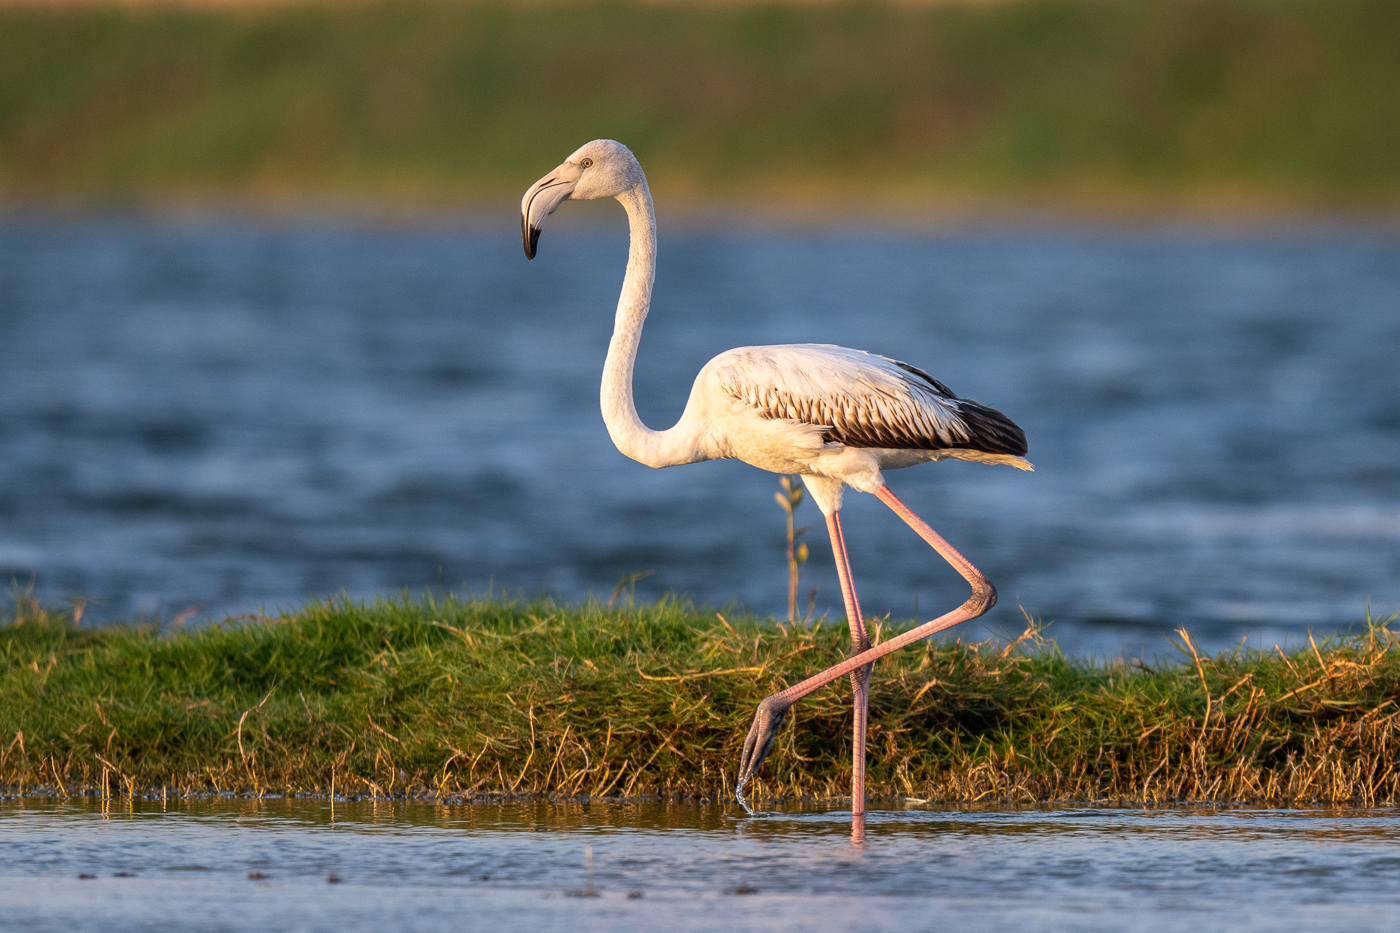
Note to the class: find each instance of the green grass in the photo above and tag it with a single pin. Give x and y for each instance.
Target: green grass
(450, 697)
(1078, 102)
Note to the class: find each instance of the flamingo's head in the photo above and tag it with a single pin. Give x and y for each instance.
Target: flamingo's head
(759, 742)
(600, 169)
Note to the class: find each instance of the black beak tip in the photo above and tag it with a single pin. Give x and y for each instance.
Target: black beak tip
(531, 238)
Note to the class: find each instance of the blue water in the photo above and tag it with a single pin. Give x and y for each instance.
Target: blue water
(224, 415)
(187, 866)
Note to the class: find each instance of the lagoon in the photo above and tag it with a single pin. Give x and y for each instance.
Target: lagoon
(204, 416)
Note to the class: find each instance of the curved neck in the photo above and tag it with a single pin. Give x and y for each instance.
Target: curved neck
(632, 437)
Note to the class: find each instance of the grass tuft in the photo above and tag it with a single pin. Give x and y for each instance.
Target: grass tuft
(448, 697)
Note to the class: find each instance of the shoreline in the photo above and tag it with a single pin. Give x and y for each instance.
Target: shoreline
(887, 803)
(733, 215)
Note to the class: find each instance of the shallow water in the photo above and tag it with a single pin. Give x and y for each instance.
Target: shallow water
(678, 867)
(220, 416)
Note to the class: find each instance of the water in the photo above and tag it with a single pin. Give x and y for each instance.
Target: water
(522, 867)
(222, 416)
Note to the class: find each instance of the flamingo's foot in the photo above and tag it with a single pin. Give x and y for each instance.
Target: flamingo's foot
(759, 743)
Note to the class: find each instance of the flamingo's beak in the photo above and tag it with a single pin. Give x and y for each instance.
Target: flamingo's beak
(541, 200)
(759, 742)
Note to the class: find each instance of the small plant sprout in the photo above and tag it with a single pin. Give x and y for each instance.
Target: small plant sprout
(628, 585)
(789, 499)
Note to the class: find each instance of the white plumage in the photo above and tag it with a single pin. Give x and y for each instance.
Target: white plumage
(829, 411)
(838, 417)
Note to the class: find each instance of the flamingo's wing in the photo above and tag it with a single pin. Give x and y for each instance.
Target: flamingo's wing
(860, 399)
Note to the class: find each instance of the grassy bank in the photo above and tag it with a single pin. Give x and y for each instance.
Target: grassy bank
(1088, 103)
(449, 697)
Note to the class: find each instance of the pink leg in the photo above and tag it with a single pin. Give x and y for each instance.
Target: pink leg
(771, 711)
(982, 588)
(860, 679)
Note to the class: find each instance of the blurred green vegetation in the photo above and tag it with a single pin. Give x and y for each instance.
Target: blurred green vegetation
(1096, 102)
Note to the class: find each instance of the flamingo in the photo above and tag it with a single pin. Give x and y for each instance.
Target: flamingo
(836, 417)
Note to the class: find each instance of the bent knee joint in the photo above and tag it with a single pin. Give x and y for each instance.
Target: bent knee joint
(983, 598)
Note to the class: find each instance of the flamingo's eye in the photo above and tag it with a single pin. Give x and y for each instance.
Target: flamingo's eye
(586, 163)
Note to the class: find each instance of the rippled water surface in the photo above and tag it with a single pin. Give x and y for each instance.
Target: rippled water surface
(524, 867)
(224, 416)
